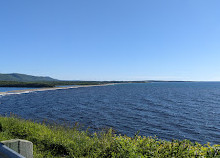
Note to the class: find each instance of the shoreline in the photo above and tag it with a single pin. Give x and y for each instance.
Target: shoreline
(53, 88)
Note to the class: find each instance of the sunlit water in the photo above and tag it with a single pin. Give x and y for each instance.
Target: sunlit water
(6, 89)
(167, 110)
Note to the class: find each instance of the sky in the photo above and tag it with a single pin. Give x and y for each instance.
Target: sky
(111, 39)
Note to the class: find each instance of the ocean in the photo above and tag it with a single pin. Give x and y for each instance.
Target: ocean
(175, 110)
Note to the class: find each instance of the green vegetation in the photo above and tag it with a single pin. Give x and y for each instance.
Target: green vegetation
(24, 84)
(58, 141)
(23, 78)
(57, 83)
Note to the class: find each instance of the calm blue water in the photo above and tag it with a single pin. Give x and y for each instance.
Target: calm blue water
(67, 86)
(168, 110)
(5, 89)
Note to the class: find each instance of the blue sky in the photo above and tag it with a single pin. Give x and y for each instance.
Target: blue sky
(111, 39)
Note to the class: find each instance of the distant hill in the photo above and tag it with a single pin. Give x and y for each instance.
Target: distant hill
(24, 78)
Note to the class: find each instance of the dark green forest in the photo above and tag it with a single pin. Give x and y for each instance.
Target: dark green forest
(24, 78)
(58, 83)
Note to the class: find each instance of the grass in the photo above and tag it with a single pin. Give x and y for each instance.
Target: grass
(59, 141)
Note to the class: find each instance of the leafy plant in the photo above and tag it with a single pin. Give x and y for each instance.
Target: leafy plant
(60, 141)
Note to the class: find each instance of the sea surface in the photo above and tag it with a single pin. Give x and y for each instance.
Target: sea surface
(185, 110)
(6, 89)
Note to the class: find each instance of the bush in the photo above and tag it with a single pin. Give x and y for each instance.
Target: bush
(59, 141)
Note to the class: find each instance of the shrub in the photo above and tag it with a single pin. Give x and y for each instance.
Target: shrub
(59, 141)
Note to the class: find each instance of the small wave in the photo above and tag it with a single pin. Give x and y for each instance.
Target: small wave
(47, 89)
(16, 93)
(127, 109)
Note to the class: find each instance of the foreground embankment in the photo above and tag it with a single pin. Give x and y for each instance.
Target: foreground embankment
(58, 141)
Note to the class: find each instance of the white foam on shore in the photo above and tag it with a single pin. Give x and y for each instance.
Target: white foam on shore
(47, 89)
(13, 93)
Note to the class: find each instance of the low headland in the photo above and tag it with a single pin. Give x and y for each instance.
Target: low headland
(43, 84)
(55, 85)
(51, 88)
(59, 141)
(28, 81)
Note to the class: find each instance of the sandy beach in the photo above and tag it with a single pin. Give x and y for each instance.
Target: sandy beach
(49, 89)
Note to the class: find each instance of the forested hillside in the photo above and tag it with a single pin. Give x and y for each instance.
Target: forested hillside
(24, 78)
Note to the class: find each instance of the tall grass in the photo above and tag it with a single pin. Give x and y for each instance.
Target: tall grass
(59, 141)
